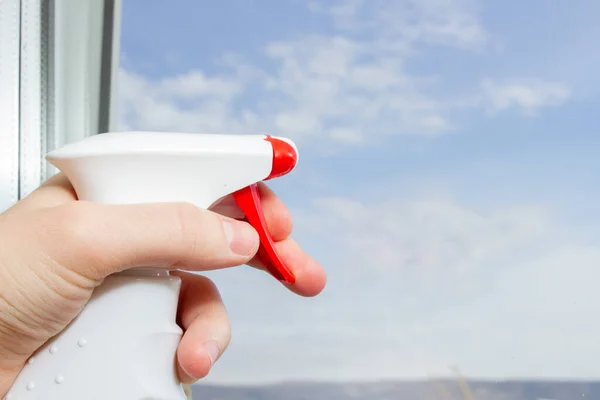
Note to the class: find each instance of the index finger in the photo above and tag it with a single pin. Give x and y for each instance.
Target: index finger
(310, 275)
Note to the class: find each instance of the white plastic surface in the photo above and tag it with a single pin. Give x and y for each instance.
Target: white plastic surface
(133, 167)
(123, 345)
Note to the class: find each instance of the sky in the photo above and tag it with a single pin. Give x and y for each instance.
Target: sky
(447, 181)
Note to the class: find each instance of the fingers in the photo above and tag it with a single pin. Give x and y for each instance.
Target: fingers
(310, 276)
(167, 235)
(112, 238)
(203, 318)
(277, 215)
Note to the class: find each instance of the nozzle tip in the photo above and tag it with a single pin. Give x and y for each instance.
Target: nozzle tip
(285, 156)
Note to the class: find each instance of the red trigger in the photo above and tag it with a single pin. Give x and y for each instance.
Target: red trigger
(284, 160)
(249, 202)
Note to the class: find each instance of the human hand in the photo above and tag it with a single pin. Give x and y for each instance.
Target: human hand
(54, 250)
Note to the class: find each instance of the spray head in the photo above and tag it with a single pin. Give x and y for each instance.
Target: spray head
(203, 169)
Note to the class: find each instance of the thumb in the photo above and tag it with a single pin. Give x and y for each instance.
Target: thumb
(96, 240)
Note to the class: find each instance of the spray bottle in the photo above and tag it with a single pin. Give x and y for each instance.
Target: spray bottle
(123, 344)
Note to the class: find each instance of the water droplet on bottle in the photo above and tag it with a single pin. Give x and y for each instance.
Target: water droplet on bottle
(53, 349)
(30, 386)
(59, 379)
(82, 342)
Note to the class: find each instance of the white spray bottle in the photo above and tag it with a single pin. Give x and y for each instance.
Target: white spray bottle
(123, 344)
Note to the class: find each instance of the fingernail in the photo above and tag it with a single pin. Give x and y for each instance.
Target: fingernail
(213, 351)
(242, 238)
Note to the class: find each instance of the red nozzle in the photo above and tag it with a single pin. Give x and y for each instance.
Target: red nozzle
(285, 158)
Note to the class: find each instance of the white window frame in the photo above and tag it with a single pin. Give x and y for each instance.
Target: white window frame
(59, 61)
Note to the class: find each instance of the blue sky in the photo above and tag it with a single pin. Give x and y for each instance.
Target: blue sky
(447, 181)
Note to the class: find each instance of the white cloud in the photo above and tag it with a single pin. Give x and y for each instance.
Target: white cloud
(416, 287)
(351, 86)
(430, 242)
(347, 135)
(196, 84)
(398, 24)
(343, 87)
(527, 95)
(190, 102)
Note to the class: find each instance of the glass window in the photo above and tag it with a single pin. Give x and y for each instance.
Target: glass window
(447, 183)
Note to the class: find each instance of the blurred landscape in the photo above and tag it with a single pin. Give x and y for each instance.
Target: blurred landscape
(407, 390)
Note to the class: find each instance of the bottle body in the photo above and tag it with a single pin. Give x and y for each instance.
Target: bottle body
(122, 346)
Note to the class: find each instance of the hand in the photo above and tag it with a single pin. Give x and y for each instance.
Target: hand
(54, 250)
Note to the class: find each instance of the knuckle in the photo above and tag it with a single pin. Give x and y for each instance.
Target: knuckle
(186, 218)
(186, 214)
(207, 291)
(73, 222)
(194, 227)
